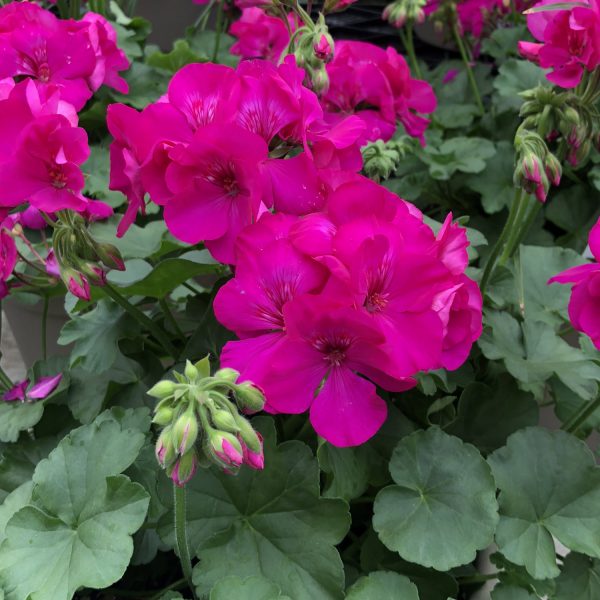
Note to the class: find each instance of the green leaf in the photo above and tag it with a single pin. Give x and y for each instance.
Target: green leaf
(347, 470)
(495, 184)
(488, 415)
(549, 487)
(138, 242)
(271, 523)
(252, 588)
(443, 508)
(515, 76)
(14, 502)
(465, 154)
(146, 85)
(18, 416)
(579, 578)
(502, 42)
(517, 576)
(97, 175)
(96, 336)
(172, 61)
(76, 532)
(432, 585)
(455, 116)
(538, 265)
(511, 592)
(383, 584)
(533, 353)
(143, 279)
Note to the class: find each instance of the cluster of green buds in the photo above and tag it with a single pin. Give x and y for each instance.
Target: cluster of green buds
(381, 159)
(313, 47)
(202, 424)
(536, 167)
(81, 260)
(399, 12)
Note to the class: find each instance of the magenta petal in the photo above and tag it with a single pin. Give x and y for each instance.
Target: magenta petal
(17, 392)
(575, 274)
(347, 411)
(44, 387)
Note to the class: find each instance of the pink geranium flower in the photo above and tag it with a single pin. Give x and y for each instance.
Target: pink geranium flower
(570, 42)
(376, 85)
(260, 35)
(584, 306)
(8, 254)
(217, 185)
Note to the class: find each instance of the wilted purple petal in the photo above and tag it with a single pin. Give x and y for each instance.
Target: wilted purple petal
(17, 392)
(44, 387)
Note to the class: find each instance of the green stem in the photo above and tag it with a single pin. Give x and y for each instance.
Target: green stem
(470, 76)
(45, 327)
(508, 226)
(137, 314)
(523, 224)
(174, 586)
(409, 46)
(181, 536)
(581, 416)
(75, 9)
(171, 318)
(219, 29)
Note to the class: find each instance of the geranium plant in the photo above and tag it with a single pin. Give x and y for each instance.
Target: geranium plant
(316, 344)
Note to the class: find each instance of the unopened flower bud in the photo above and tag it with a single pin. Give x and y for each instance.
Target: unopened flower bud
(225, 448)
(76, 283)
(110, 256)
(319, 80)
(223, 420)
(163, 416)
(190, 371)
(247, 434)
(323, 48)
(184, 469)
(254, 459)
(553, 168)
(162, 389)
(94, 274)
(165, 453)
(185, 431)
(249, 397)
(228, 375)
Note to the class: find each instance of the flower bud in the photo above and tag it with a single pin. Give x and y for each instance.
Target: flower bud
(185, 431)
(553, 168)
(323, 48)
(110, 256)
(162, 389)
(223, 420)
(255, 460)
(76, 283)
(191, 372)
(163, 416)
(249, 397)
(225, 448)
(94, 273)
(247, 434)
(165, 453)
(227, 375)
(184, 469)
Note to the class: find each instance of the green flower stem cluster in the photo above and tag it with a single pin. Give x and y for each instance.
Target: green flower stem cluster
(381, 159)
(202, 425)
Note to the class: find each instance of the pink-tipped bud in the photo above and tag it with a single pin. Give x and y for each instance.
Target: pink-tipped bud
(110, 256)
(226, 448)
(185, 431)
(184, 469)
(95, 274)
(77, 284)
(255, 460)
(323, 48)
(249, 397)
(52, 267)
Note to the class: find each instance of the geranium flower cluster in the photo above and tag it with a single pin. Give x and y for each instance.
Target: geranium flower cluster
(364, 79)
(329, 304)
(473, 17)
(570, 41)
(75, 57)
(209, 150)
(345, 279)
(49, 68)
(584, 306)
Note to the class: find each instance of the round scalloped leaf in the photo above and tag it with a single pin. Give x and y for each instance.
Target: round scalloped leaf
(383, 584)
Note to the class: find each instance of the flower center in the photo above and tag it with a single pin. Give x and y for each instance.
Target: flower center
(375, 302)
(58, 178)
(334, 349)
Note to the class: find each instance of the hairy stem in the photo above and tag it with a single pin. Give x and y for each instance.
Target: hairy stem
(181, 536)
(408, 42)
(467, 63)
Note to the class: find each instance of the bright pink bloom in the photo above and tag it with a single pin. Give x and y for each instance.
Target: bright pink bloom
(376, 85)
(260, 35)
(8, 254)
(17, 392)
(51, 265)
(110, 59)
(218, 187)
(570, 42)
(41, 389)
(584, 306)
